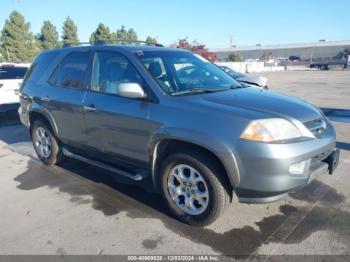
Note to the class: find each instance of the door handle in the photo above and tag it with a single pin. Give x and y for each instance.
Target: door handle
(45, 99)
(89, 108)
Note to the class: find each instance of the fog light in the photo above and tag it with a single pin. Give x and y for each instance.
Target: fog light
(298, 168)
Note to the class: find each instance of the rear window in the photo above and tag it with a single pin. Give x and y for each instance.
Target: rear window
(12, 72)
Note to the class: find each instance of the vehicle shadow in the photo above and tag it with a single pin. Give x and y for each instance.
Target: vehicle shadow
(14, 134)
(110, 194)
(9, 118)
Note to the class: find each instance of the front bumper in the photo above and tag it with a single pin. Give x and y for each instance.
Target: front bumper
(264, 168)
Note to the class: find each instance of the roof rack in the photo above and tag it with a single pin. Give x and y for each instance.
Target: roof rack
(108, 41)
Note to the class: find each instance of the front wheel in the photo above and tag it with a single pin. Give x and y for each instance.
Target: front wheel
(45, 143)
(194, 188)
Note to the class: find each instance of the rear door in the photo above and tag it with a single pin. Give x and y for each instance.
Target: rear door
(64, 93)
(10, 79)
(116, 125)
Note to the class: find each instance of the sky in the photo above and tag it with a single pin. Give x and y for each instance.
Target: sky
(214, 22)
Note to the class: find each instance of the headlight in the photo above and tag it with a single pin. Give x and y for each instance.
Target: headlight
(272, 129)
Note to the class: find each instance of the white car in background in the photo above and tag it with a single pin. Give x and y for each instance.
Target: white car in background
(11, 77)
(252, 80)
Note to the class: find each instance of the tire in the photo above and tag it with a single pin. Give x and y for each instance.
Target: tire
(55, 155)
(216, 184)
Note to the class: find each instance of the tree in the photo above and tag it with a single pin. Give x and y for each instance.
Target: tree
(122, 33)
(184, 44)
(129, 34)
(204, 52)
(48, 37)
(197, 48)
(70, 31)
(18, 43)
(234, 57)
(268, 55)
(102, 33)
(132, 35)
(151, 40)
(2, 52)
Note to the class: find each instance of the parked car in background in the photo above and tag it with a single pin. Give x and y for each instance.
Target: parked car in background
(177, 119)
(254, 80)
(329, 64)
(294, 58)
(11, 77)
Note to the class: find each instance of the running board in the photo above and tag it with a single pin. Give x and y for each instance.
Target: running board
(137, 176)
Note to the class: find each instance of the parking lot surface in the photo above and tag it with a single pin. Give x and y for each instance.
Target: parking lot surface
(75, 208)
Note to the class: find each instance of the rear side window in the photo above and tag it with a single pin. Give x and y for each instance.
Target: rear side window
(39, 66)
(12, 72)
(72, 71)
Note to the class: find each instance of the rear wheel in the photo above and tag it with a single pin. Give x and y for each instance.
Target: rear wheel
(194, 188)
(45, 143)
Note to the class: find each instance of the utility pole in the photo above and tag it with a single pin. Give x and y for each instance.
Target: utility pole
(311, 54)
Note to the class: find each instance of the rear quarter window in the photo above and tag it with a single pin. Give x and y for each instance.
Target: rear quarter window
(39, 66)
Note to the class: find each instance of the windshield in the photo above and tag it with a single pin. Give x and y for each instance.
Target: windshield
(184, 72)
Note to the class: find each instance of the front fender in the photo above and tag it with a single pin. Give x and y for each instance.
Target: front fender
(204, 140)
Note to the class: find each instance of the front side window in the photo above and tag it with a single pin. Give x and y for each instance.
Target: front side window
(156, 68)
(111, 69)
(183, 72)
(72, 71)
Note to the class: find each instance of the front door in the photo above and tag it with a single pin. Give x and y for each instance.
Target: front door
(117, 125)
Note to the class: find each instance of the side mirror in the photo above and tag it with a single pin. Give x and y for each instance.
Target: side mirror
(131, 90)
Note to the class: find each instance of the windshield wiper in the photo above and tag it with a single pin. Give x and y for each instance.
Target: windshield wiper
(200, 90)
(238, 87)
(195, 91)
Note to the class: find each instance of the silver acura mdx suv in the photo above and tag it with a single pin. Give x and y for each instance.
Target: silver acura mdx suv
(168, 115)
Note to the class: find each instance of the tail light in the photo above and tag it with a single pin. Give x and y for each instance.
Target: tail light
(7, 65)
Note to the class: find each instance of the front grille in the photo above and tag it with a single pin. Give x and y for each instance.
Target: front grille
(316, 127)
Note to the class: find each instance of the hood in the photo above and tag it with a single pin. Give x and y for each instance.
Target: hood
(266, 102)
(259, 80)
